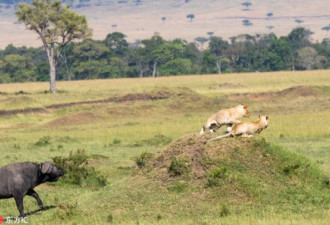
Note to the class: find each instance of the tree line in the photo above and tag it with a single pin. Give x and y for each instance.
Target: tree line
(115, 57)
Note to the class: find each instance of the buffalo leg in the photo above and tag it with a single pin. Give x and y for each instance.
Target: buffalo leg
(19, 204)
(34, 194)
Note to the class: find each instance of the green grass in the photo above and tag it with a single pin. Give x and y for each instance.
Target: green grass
(125, 130)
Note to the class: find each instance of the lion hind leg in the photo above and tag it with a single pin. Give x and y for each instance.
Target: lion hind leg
(212, 126)
(229, 128)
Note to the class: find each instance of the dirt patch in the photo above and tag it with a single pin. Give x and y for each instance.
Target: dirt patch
(230, 85)
(154, 95)
(22, 111)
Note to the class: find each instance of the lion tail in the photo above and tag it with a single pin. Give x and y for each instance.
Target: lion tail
(219, 137)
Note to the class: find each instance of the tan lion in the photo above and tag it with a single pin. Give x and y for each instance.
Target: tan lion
(226, 117)
(247, 129)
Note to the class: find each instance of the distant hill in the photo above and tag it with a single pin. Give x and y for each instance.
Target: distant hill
(140, 19)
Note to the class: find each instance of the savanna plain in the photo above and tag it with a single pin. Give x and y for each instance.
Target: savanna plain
(135, 155)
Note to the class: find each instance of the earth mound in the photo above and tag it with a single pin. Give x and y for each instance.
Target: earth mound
(289, 93)
(237, 170)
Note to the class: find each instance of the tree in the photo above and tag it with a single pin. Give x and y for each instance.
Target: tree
(298, 38)
(247, 5)
(139, 57)
(117, 43)
(247, 23)
(210, 33)
(165, 52)
(56, 25)
(217, 47)
(89, 56)
(270, 27)
(18, 68)
(176, 67)
(191, 17)
(269, 15)
(277, 56)
(149, 51)
(326, 28)
(114, 27)
(309, 59)
(201, 40)
(299, 21)
(138, 2)
(235, 51)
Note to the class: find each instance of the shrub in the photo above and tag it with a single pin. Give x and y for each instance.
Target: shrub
(142, 159)
(43, 141)
(159, 217)
(178, 167)
(78, 173)
(110, 218)
(224, 210)
(116, 141)
(215, 176)
(288, 169)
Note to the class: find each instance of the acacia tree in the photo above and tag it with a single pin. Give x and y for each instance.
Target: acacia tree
(56, 26)
(191, 17)
(247, 5)
(327, 29)
(269, 15)
(201, 40)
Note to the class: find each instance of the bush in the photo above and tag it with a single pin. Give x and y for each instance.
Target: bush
(178, 167)
(116, 141)
(224, 210)
(288, 169)
(78, 173)
(43, 141)
(215, 176)
(142, 159)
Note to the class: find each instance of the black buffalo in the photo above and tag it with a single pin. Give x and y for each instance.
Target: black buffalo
(19, 179)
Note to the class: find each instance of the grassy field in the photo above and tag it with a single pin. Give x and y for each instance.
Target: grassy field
(114, 121)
